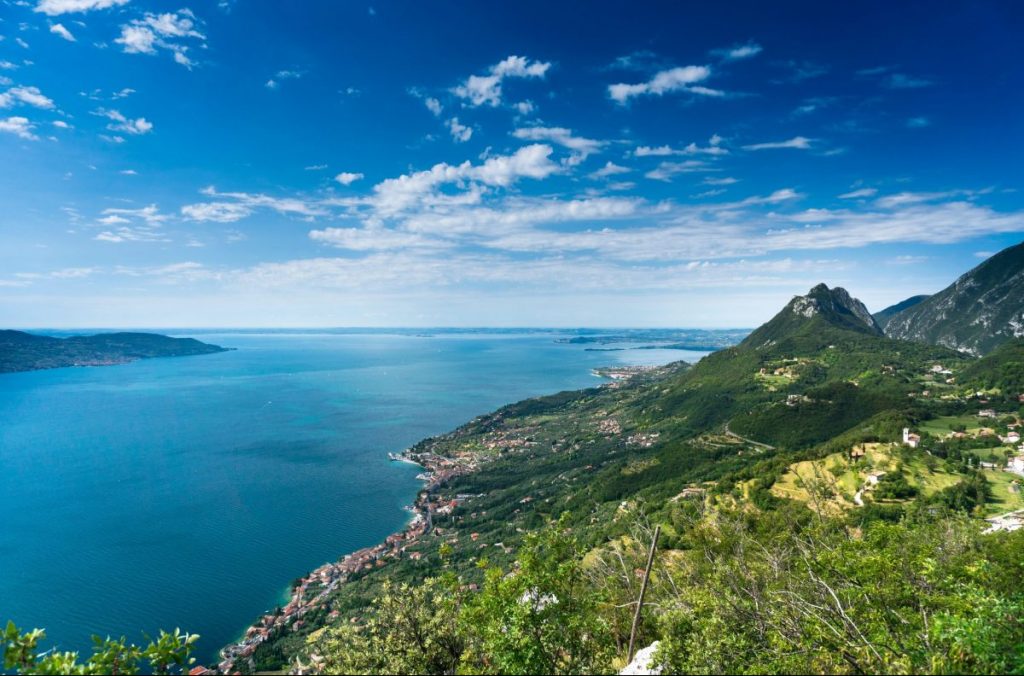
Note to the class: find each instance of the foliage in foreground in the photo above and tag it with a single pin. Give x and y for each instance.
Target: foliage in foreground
(541, 618)
(745, 592)
(169, 653)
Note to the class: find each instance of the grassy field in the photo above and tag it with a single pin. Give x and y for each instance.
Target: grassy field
(1005, 491)
(843, 478)
(940, 427)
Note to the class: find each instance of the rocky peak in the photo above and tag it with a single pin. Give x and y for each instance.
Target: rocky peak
(834, 304)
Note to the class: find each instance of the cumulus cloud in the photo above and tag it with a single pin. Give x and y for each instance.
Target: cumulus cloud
(274, 82)
(167, 31)
(673, 80)
(19, 126)
(30, 96)
(59, 29)
(581, 147)
(460, 132)
(120, 123)
(348, 177)
(433, 105)
(58, 7)
(480, 90)
(610, 169)
(525, 107)
(797, 142)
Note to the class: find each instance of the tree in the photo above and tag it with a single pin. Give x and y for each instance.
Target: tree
(170, 653)
(410, 629)
(542, 617)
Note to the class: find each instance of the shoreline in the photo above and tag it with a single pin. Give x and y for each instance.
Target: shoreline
(314, 589)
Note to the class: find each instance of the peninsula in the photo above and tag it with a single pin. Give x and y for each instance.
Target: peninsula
(20, 351)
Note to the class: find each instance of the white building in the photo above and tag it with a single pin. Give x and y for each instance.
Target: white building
(909, 439)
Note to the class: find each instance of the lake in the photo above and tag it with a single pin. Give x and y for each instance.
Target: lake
(190, 492)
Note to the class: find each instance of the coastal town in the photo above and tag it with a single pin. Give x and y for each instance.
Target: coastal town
(313, 591)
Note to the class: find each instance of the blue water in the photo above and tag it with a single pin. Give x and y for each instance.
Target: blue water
(189, 492)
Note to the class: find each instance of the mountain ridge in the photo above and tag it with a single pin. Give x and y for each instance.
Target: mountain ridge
(978, 312)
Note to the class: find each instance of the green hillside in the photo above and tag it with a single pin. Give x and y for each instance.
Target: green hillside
(20, 351)
(712, 454)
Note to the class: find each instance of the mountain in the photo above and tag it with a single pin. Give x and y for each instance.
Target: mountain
(978, 312)
(20, 351)
(883, 316)
(815, 379)
(820, 308)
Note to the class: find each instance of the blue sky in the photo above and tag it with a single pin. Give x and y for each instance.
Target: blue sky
(246, 163)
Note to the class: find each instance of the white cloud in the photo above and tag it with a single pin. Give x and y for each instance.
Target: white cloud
(797, 142)
(234, 206)
(783, 195)
(666, 81)
(460, 132)
(19, 126)
(58, 29)
(166, 31)
(57, 7)
(918, 122)
(119, 122)
(8, 65)
(128, 172)
(421, 191)
(525, 107)
(134, 225)
(275, 81)
(581, 147)
(610, 169)
(714, 147)
(725, 180)
(30, 96)
(738, 52)
(433, 105)
(859, 193)
(348, 177)
(218, 212)
(666, 170)
(61, 124)
(479, 90)
(906, 198)
(374, 238)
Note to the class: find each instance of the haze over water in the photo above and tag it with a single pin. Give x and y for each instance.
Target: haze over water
(190, 492)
